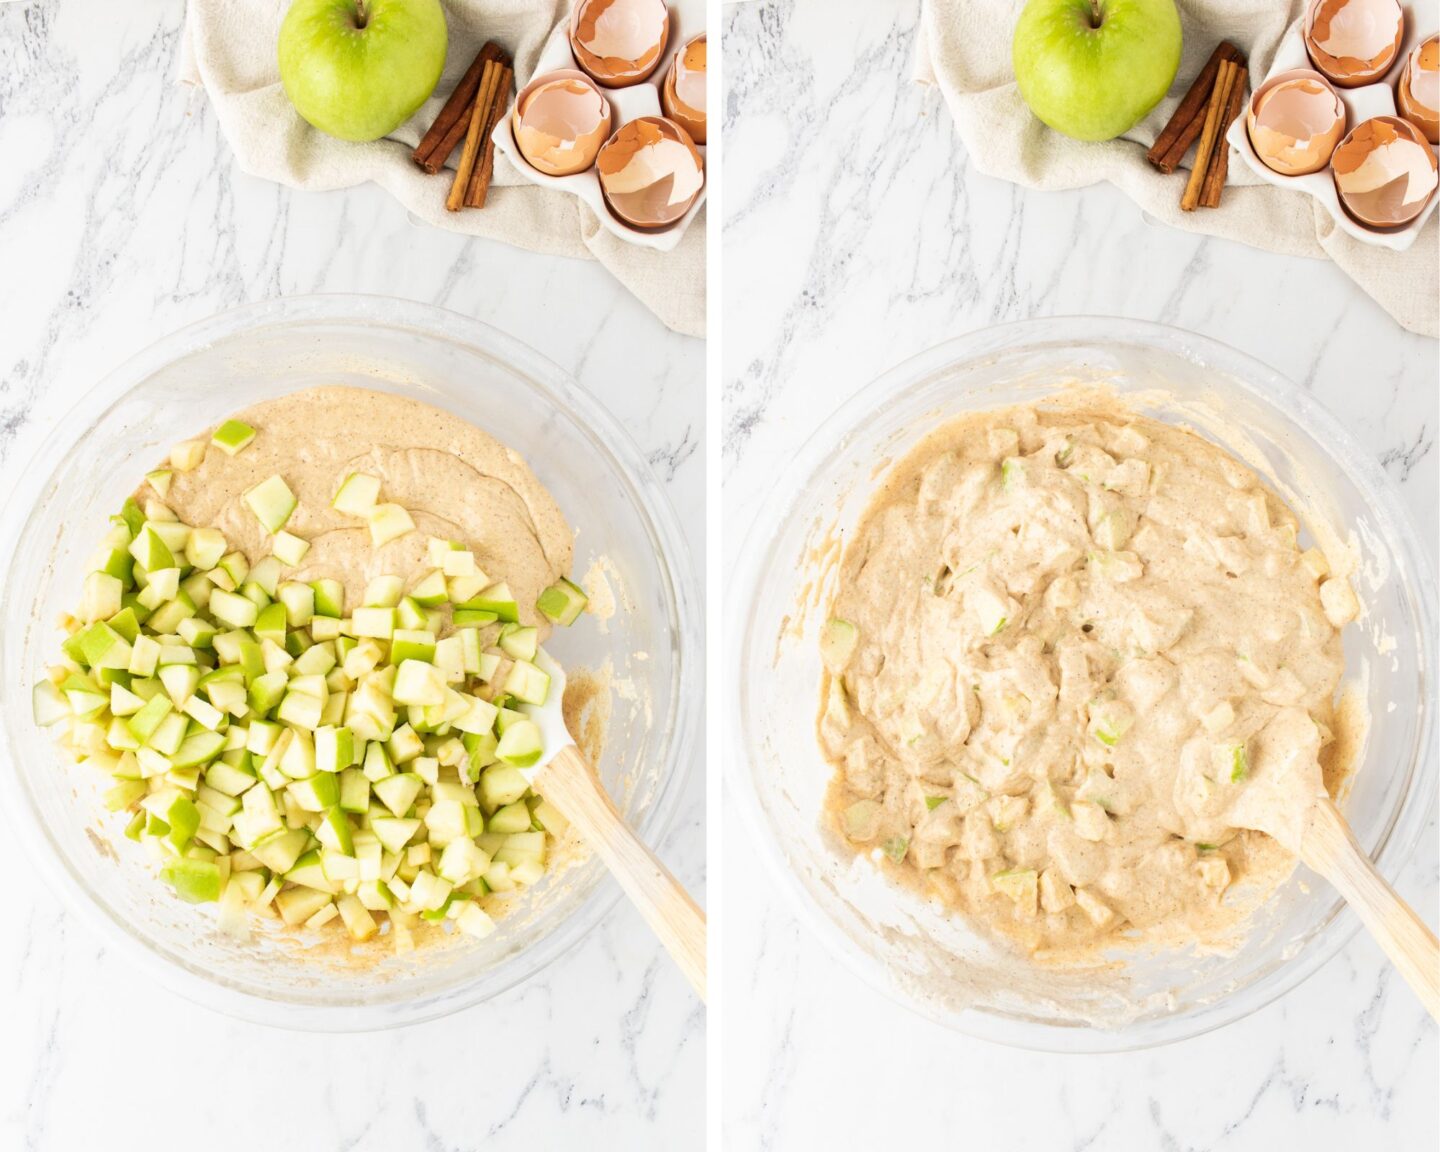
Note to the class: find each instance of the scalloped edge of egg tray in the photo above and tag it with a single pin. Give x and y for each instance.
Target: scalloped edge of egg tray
(1363, 103)
(687, 19)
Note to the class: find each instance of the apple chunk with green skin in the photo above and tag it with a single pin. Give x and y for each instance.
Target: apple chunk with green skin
(1092, 69)
(272, 502)
(358, 69)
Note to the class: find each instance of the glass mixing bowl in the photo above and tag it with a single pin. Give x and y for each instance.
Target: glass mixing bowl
(193, 379)
(895, 940)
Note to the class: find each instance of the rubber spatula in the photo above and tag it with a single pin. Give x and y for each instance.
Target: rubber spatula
(1290, 804)
(567, 781)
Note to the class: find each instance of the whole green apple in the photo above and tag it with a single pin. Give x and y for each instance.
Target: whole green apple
(1092, 69)
(358, 69)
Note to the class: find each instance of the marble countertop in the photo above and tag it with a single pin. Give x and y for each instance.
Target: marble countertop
(879, 240)
(123, 218)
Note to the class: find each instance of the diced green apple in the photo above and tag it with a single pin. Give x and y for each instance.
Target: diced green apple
(1110, 720)
(498, 599)
(459, 589)
(299, 602)
(862, 820)
(272, 502)
(375, 623)
(399, 791)
(204, 547)
(412, 644)
(188, 456)
(329, 598)
(388, 522)
(479, 716)
(472, 618)
(562, 602)
(431, 591)
(232, 437)
(1231, 762)
(500, 785)
(403, 745)
(143, 724)
(266, 691)
(100, 598)
(429, 892)
(317, 793)
(357, 494)
(186, 662)
(518, 642)
(335, 832)
(358, 921)
(420, 683)
(838, 640)
(288, 548)
(194, 881)
(384, 592)
(270, 624)
(299, 905)
(334, 748)
(521, 745)
(549, 818)
(233, 610)
(992, 612)
(301, 709)
(1021, 885)
(510, 819)
(474, 921)
(50, 705)
(527, 683)
(377, 764)
(122, 795)
(455, 562)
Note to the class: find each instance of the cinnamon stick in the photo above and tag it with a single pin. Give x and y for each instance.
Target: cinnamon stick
(479, 113)
(1189, 118)
(1219, 99)
(479, 185)
(1220, 164)
(450, 125)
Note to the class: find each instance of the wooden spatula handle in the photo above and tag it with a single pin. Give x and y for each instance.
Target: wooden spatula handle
(1330, 848)
(569, 783)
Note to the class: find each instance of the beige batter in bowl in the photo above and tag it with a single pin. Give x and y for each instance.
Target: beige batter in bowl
(912, 950)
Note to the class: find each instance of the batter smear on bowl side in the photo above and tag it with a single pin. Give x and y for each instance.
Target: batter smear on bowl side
(1070, 652)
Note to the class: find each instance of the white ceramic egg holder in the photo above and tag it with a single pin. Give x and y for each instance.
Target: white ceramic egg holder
(687, 19)
(1361, 104)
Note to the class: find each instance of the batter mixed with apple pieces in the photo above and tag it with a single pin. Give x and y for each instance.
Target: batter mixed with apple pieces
(1073, 653)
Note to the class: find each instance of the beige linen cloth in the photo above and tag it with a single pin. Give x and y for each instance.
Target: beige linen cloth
(964, 49)
(229, 48)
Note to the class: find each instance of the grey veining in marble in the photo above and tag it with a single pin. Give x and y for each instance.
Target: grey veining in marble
(857, 234)
(122, 218)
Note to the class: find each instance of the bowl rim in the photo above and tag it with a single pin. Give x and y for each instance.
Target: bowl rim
(1263, 383)
(565, 394)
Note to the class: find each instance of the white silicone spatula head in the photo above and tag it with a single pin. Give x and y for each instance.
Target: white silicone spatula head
(550, 716)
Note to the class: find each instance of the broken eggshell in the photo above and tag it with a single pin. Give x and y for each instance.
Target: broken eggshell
(650, 172)
(683, 96)
(1295, 120)
(619, 42)
(1385, 172)
(1354, 42)
(1418, 92)
(560, 121)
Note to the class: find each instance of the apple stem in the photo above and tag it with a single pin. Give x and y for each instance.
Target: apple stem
(1096, 16)
(360, 13)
